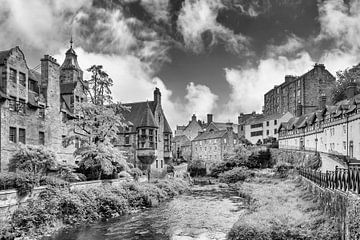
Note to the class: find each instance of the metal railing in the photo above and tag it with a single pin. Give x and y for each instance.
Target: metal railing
(340, 179)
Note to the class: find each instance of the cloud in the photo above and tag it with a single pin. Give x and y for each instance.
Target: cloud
(200, 100)
(159, 9)
(249, 84)
(200, 30)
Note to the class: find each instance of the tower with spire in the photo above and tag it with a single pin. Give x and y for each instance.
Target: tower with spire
(70, 70)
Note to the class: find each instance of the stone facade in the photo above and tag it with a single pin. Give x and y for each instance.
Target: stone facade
(147, 136)
(304, 90)
(211, 146)
(332, 129)
(32, 105)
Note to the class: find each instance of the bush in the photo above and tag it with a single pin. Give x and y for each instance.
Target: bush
(22, 182)
(136, 173)
(282, 169)
(234, 175)
(197, 168)
(262, 159)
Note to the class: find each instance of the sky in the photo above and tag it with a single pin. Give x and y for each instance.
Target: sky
(206, 56)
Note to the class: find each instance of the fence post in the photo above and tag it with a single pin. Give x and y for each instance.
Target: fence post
(336, 177)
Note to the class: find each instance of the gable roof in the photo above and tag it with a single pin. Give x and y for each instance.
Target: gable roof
(135, 113)
(183, 138)
(210, 135)
(167, 128)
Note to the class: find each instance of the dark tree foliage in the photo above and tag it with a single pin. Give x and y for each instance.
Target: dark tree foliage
(344, 80)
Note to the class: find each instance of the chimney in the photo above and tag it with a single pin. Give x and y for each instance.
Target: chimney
(351, 90)
(229, 126)
(298, 110)
(193, 118)
(289, 78)
(209, 118)
(319, 66)
(157, 96)
(322, 101)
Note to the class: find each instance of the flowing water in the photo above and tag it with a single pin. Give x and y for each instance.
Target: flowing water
(207, 212)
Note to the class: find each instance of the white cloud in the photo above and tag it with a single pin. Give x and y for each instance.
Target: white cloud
(200, 30)
(200, 100)
(248, 85)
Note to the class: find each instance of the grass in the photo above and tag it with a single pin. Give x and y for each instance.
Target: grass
(280, 209)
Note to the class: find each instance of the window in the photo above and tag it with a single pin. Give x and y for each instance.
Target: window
(22, 79)
(63, 116)
(267, 132)
(63, 141)
(77, 99)
(344, 144)
(167, 142)
(41, 138)
(225, 140)
(12, 134)
(21, 106)
(267, 123)
(12, 104)
(151, 138)
(157, 163)
(344, 128)
(258, 125)
(32, 85)
(275, 122)
(162, 163)
(127, 139)
(275, 131)
(42, 113)
(242, 128)
(12, 76)
(22, 135)
(257, 133)
(77, 143)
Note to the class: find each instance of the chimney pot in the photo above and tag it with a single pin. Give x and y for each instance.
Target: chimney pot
(209, 118)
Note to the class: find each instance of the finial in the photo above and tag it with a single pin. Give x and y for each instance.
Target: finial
(71, 41)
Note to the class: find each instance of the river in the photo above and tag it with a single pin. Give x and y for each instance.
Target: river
(207, 212)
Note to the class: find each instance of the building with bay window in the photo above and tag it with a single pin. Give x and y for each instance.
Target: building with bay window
(147, 137)
(35, 103)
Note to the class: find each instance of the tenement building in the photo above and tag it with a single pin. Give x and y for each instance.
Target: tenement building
(34, 106)
(257, 128)
(147, 137)
(299, 90)
(331, 129)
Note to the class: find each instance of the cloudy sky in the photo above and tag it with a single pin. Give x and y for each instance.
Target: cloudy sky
(206, 56)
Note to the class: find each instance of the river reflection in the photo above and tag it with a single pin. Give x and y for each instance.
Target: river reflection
(208, 212)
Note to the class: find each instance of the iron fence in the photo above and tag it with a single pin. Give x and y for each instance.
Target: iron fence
(340, 179)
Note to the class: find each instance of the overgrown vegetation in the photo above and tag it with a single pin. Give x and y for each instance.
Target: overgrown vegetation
(283, 210)
(235, 175)
(67, 207)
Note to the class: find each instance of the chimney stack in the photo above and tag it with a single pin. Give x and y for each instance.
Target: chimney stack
(209, 118)
(157, 96)
(351, 90)
(322, 101)
(193, 118)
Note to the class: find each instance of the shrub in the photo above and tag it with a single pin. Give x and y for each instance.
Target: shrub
(53, 181)
(282, 169)
(234, 175)
(246, 232)
(197, 168)
(261, 159)
(22, 182)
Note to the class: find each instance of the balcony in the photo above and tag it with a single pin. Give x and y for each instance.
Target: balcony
(146, 155)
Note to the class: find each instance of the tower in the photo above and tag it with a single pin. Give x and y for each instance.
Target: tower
(70, 70)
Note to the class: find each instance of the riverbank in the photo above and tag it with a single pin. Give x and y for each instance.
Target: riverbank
(280, 209)
(58, 208)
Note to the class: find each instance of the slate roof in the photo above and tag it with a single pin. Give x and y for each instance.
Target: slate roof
(210, 135)
(167, 128)
(34, 75)
(181, 138)
(70, 62)
(147, 118)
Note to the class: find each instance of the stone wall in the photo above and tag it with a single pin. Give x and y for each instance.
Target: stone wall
(10, 201)
(343, 207)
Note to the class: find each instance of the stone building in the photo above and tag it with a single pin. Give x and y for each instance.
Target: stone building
(303, 90)
(34, 106)
(211, 146)
(147, 138)
(181, 148)
(333, 129)
(258, 127)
